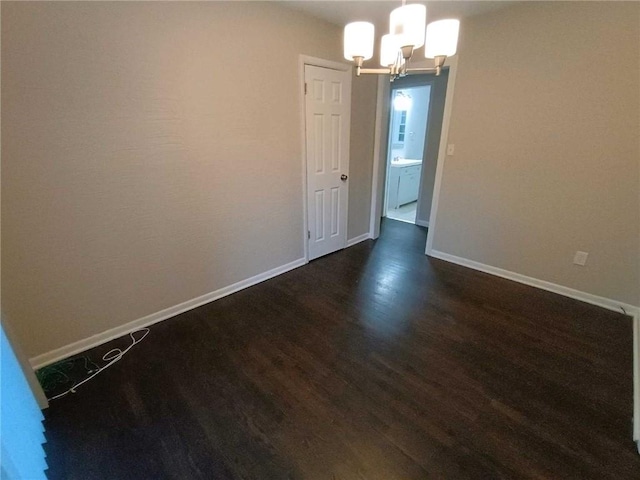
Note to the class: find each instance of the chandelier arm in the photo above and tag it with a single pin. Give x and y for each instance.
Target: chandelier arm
(410, 71)
(439, 64)
(375, 71)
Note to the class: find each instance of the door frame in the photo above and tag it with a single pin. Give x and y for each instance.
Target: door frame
(415, 81)
(381, 135)
(316, 62)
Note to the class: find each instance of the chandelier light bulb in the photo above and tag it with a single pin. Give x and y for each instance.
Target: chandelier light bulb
(442, 38)
(408, 22)
(358, 40)
(389, 50)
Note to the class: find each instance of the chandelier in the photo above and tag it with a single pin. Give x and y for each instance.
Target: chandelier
(407, 33)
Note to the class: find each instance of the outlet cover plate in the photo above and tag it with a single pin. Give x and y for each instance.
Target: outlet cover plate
(580, 258)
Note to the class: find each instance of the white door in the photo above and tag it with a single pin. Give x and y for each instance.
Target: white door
(327, 121)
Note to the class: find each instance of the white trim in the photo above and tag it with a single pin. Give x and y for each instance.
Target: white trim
(603, 302)
(303, 149)
(95, 340)
(636, 377)
(360, 238)
(442, 153)
(321, 62)
(607, 303)
(422, 223)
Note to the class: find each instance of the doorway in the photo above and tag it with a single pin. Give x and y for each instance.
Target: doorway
(416, 111)
(408, 118)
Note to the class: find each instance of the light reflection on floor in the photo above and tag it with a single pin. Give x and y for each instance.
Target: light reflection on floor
(389, 318)
(405, 213)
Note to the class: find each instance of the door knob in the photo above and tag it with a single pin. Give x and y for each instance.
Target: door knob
(343, 177)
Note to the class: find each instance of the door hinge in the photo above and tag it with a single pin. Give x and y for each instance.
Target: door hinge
(308, 234)
(305, 88)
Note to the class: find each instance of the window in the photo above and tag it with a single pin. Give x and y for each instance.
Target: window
(402, 126)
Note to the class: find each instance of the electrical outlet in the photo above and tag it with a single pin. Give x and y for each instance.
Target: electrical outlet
(580, 258)
(450, 149)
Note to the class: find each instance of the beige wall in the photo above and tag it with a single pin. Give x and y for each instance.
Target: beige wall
(363, 111)
(18, 351)
(545, 124)
(151, 154)
(432, 146)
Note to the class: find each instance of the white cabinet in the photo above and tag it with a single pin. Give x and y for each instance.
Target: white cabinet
(404, 184)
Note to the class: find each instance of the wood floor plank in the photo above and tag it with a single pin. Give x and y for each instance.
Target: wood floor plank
(375, 362)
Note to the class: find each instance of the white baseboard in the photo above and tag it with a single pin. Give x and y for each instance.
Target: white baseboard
(95, 340)
(636, 378)
(607, 303)
(422, 223)
(360, 238)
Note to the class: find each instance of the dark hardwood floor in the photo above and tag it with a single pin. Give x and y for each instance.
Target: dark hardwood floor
(376, 362)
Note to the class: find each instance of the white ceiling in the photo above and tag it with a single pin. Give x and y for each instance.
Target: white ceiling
(377, 11)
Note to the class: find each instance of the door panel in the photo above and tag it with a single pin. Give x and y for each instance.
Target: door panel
(327, 120)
